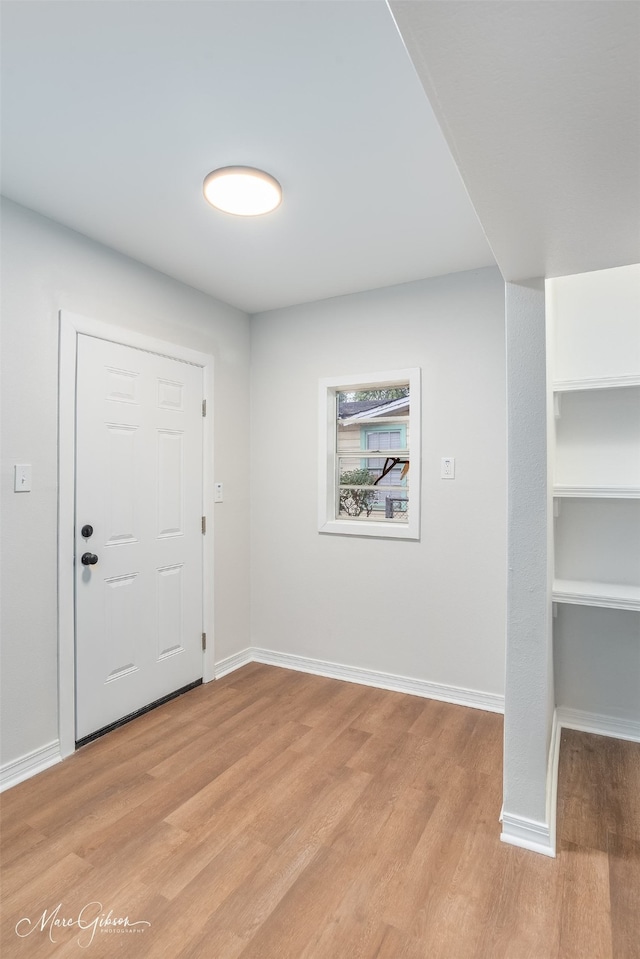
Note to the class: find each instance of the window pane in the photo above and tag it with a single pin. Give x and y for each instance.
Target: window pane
(371, 421)
(363, 502)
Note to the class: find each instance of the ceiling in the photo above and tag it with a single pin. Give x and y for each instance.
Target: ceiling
(540, 105)
(114, 111)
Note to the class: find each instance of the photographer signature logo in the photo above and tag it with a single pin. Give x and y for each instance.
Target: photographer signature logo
(90, 919)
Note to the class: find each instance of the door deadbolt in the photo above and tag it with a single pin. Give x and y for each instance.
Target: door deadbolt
(89, 559)
(87, 531)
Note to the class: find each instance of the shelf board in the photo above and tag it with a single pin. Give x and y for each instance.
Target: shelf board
(585, 593)
(597, 492)
(597, 383)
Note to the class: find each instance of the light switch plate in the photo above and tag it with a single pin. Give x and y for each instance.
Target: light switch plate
(22, 478)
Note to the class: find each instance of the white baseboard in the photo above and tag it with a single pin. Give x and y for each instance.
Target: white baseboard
(365, 677)
(528, 834)
(541, 836)
(600, 725)
(231, 663)
(552, 778)
(35, 762)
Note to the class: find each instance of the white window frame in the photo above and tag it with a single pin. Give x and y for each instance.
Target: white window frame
(329, 387)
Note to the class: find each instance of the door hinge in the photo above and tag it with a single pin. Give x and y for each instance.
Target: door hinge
(204, 640)
(204, 524)
(204, 407)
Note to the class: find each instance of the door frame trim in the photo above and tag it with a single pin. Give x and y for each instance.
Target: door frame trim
(71, 325)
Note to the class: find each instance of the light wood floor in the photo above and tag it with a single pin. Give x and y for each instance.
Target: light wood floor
(276, 815)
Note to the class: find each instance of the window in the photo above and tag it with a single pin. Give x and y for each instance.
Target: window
(369, 476)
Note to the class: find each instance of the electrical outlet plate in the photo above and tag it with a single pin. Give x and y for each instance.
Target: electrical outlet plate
(447, 467)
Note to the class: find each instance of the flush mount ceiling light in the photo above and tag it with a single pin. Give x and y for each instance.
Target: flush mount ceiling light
(241, 190)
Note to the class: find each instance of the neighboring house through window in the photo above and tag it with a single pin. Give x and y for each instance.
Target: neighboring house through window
(386, 440)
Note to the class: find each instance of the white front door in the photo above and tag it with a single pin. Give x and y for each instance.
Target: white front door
(139, 486)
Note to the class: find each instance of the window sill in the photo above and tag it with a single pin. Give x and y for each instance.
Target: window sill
(383, 530)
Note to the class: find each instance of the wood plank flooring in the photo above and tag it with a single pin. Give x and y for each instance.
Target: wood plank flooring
(278, 815)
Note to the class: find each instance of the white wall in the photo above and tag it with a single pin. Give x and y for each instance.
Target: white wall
(597, 663)
(595, 323)
(529, 665)
(431, 610)
(45, 268)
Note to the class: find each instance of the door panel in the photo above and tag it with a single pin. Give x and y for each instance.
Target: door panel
(169, 610)
(170, 478)
(121, 457)
(139, 484)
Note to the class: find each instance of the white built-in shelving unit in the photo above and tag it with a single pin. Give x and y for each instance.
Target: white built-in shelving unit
(597, 457)
(594, 360)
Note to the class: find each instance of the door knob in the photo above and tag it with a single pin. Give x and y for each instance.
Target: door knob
(89, 559)
(87, 531)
